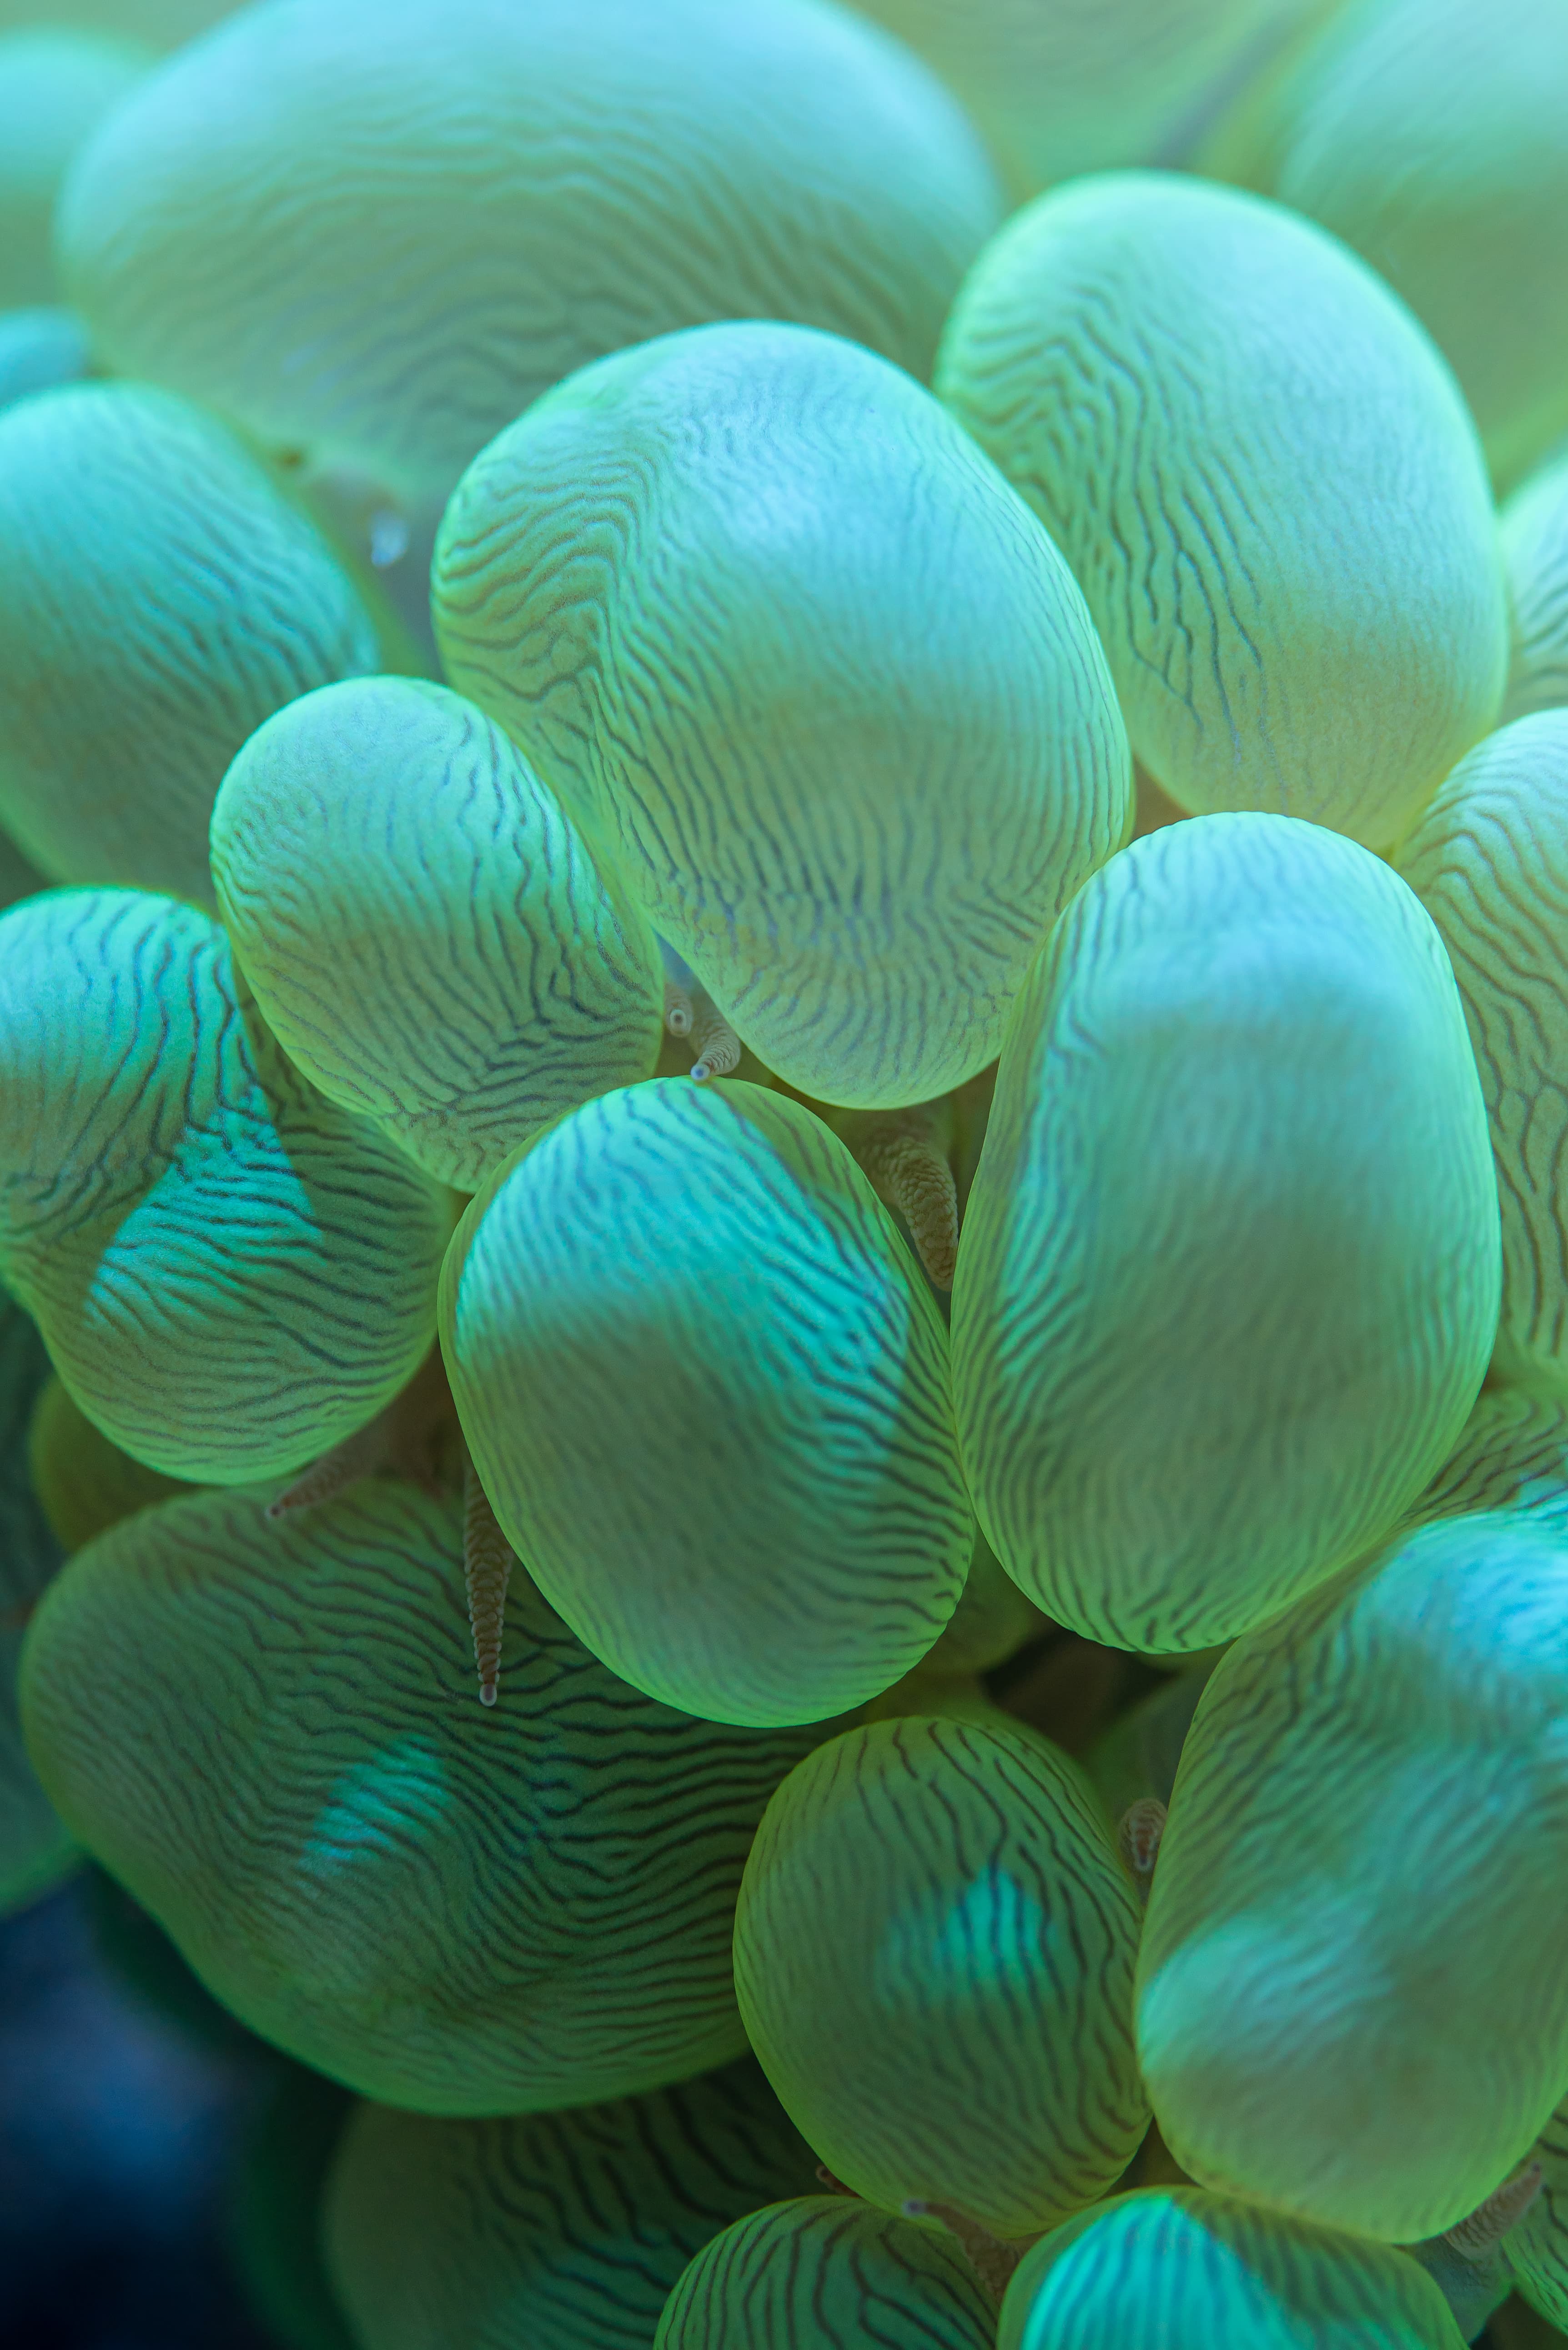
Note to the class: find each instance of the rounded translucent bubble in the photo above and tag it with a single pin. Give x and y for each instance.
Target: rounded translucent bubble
(18, 878)
(1490, 863)
(162, 24)
(1265, 482)
(426, 933)
(1533, 528)
(707, 1393)
(84, 1481)
(548, 2232)
(1512, 1454)
(1350, 1996)
(826, 2268)
(1429, 135)
(158, 598)
(934, 1951)
(266, 1730)
(1227, 1281)
(1189, 2270)
(35, 1847)
(1535, 2253)
(376, 233)
(40, 348)
(55, 87)
(231, 1274)
(710, 586)
(1063, 90)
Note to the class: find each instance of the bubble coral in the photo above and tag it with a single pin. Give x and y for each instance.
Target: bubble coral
(550, 2231)
(452, 1910)
(230, 1274)
(1429, 135)
(158, 598)
(826, 2268)
(1265, 482)
(1229, 1278)
(1065, 89)
(1512, 1454)
(55, 87)
(707, 1394)
(375, 233)
(708, 584)
(1326, 2018)
(427, 936)
(84, 1482)
(41, 348)
(1489, 862)
(1190, 2269)
(961, 2031)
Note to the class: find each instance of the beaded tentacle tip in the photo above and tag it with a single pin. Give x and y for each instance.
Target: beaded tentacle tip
(1138, 1834)
(487, 1562)
(902, 1156)
(992, 2259)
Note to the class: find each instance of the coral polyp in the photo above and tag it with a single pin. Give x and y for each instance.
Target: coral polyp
(784, 1044)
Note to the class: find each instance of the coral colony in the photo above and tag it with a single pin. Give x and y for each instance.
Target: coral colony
(786, 808)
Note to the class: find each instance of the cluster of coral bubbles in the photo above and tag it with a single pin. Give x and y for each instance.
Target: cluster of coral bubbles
(921, 1019)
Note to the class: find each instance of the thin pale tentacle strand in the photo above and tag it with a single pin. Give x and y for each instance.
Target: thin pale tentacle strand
(992, 2259)
(404, 1440)
(1478, 2237)
(1138, 1834)
(680, 992)
(487, 1559)
(363, 1454)
(1466, 2261)
(718, 1046)
(909, 1173)
(677, 1008)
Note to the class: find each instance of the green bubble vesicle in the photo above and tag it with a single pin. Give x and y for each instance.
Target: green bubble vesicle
(1229, 1280)
(709, 585)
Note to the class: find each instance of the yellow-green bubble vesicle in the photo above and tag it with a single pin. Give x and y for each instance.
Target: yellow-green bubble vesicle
(266, 1730)
(710, 586)
(1533, 526)
(55, 87)
(377, 234)
(1429, 135)
(83, 1481)
(1229, 1277)
(1490, 863)
(1063, 90)
(162, 24)
(40, 348)
(826, 2270)
(1329, 2018)
(427, 936)
(1535, 2253)
(707, 1393)
(549, 2231)
(231, 1274)
(158, 598)
(1266, 484)
(1190, 2271)
(1512, 1454)
(934, 1953)
(36, 1849)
